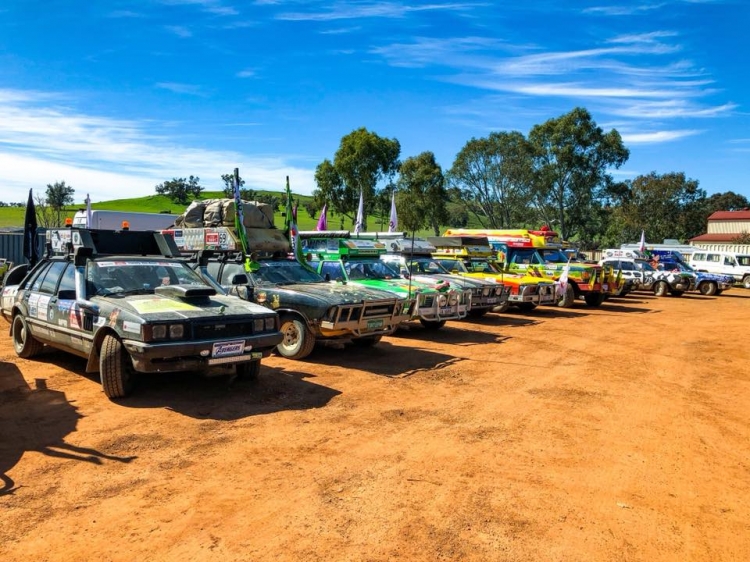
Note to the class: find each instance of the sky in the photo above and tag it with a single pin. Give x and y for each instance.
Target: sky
(116, 96)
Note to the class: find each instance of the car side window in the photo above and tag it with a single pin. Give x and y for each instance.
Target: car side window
(229, 270)
(68, 279)
(333, 269)
(36, 283)
(728, 260)
(52, 278)
(213, 269)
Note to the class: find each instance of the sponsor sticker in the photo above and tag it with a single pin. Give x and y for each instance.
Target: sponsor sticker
(151, 305)
(132, 327)
(228, 349)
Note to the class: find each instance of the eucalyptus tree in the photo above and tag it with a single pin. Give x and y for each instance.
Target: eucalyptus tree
(421, 196)
(572, 157)
(494, 175)
(362, 161)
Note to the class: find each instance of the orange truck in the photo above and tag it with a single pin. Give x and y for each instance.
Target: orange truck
(531, 251)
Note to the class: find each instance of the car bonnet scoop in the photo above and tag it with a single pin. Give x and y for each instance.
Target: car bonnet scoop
(184, 291)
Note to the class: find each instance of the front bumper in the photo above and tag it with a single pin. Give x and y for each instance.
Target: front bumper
(196, 355)
(369, 319)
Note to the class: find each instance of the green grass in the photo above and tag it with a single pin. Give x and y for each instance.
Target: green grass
(13, 216)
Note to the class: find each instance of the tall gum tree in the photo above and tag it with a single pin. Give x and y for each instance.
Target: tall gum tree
(421, 195)
(572, 156)
(363, 160)
(494, 176)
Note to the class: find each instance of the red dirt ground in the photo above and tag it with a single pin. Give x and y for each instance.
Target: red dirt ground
(618, 433)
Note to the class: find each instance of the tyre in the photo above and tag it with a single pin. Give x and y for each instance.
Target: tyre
(569, 297)
(249, 370)
(594, 299)
(432, 324)
(115, 368)
(707, 288)
(479, 312)
(367, 341)
(661, 289)
(527, 306)
(505, 307)
(746, 282)
(298, 340)
(677, 293)
(718, 292)
(26, 345)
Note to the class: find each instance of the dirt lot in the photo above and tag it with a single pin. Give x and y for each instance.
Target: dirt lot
(619, 433)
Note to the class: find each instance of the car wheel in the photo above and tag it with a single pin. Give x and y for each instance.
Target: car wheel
(677, 293)
(298, 340)
(661, 289)
(367, 341)
(115, 368)
(594, 299)
(718, 292)
(746, 282)
(707, 288)
(569, 297)
(26, 345)
(248, 370)
(432, 324)
(527, 306)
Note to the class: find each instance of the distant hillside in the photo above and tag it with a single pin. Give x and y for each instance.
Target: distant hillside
(13, 216)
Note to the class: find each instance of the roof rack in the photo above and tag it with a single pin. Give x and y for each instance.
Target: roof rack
(64, 241)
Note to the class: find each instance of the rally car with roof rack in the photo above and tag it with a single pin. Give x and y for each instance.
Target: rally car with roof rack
(342, 258)
(413, 257)
(128, 303)
(659, 281)
(523, 250)
(470, 257)
(311, 310)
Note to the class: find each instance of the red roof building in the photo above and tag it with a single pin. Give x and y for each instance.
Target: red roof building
(723, 228)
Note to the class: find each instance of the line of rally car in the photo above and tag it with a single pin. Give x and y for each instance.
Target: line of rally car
(139, 302)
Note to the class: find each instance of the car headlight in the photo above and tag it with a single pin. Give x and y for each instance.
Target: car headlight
(258, 325)
(176, 331)
(499, 291)
(271, 323)
(159, 331)
(442, 300)
(486, 292)
(585, 276)
(453, 299)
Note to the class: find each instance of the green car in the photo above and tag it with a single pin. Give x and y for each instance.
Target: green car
(357, 261)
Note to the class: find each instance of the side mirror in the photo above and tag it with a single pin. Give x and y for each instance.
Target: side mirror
(66, 295)
(327, 277)
(239, 279)
(81, 255)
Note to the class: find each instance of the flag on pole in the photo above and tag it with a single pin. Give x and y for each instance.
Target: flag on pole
(239, 220)
(393, 224)
(323, 219)
(29, 233)
(564, 278)
(293, 231)
(642, 245)
(88, 211)
(359, 225)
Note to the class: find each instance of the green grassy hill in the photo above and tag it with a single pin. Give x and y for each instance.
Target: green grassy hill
(13, 216)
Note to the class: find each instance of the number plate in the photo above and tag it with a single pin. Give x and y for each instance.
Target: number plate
(228, 348)
(447, 310)
(605, 287)
(374, 324)
(493, 300)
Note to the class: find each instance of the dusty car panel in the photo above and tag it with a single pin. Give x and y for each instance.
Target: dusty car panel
(141, 310)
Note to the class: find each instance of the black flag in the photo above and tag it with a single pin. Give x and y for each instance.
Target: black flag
(29, 233)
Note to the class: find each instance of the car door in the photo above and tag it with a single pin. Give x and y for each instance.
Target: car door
(41, 306)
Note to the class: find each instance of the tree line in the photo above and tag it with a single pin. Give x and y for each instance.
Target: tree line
(560, 174)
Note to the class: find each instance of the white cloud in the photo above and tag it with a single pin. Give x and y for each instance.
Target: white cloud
(179, 30)
(247, 73)
(111, 158)
(177, 88)
(657, 136)
(346, 10)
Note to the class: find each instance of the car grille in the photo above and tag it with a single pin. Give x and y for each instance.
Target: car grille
(218, 329)
(373, 309)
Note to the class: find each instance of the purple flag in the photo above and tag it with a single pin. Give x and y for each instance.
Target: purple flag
(323, 219)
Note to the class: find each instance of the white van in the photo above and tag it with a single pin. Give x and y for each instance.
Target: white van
(727, 263)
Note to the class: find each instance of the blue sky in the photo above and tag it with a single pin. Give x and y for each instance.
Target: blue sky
(116, 96)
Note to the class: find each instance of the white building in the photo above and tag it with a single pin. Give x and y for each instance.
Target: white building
(723, 228)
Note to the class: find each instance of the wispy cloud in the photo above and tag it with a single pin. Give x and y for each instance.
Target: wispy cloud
(246, 73)
(179, 30)
(211, 6)
(125, 14)
(657, 136)
(178, 88)
(39, 144)
(623, 9)
(345, 10)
